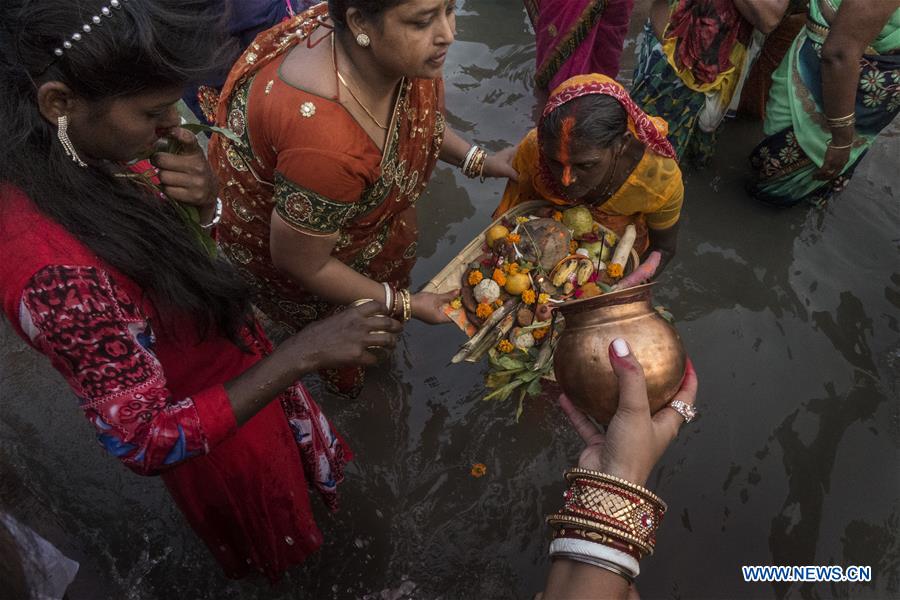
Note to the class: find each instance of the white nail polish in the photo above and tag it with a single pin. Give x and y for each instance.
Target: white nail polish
(620, 347)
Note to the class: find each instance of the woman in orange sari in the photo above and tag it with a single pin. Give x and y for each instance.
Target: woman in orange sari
(339, 112)
(594, 147)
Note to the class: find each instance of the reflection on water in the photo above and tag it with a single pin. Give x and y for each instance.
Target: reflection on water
(791, 319)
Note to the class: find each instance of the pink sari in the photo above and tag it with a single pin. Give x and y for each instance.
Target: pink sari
(577, 37)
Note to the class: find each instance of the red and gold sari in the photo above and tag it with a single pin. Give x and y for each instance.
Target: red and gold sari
(306, 158)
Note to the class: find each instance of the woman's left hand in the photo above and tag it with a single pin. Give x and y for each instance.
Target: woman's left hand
(500, 164)
(185, 176)
(835, 161)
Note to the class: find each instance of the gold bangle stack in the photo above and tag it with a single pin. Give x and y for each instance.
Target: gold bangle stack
(612, 508)
(402, 305)
(473, 164)
(841, 122)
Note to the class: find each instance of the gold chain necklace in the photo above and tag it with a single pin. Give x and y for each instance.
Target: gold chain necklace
(341, 79)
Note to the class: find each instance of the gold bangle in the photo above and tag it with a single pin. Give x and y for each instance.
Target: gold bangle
(847, 147)
(612, 532)
(840, 122)
(576, 472)
(407, 305)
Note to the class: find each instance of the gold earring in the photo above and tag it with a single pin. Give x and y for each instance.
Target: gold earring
(363, 40)
(62, 132)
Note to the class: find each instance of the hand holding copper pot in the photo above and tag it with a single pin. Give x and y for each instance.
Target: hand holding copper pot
(580, 361)
(634, 441)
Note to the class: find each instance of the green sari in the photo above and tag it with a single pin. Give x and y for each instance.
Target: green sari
(796, 126)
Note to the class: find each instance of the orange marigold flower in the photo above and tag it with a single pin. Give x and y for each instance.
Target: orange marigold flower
(528, 297)
(539, 334)
(615, 270)
(498, 302)
(557, 216)
(484, 311)
(475, 277)
(543, 298)
(512, 268)
(499, 277)
(478, 470)
(456, 304)
(505, 346)
(514, 238)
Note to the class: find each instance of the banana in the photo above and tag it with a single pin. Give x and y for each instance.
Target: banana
(585, 270)
(563, 273)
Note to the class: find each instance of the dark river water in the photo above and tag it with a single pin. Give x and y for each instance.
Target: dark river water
(790, 317)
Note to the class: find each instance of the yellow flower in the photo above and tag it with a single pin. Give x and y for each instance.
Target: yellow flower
(498, 302)
(511, 268)
(505, 346)
(484, 311)
(456, 303)
(543, 298)
(557, 216)
(615, 270)
(521, 219)
(478, 470)
(539, 334)
(528, 296)
(475, 277)
(514, 238)
(499, 277)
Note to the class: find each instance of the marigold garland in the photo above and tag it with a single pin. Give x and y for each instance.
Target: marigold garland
(484, 311)
(475, 277)
(528, 297)
(615, 270)
(505, 346)
(499, 277)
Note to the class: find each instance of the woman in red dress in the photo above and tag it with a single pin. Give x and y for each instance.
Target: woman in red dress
(106, 273)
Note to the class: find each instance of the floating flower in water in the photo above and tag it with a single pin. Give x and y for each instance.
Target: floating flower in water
(475, 277)
(528, 297)
(514, 238)
(499, 277)
(539, 334)
(505, 346)
(511, 268)
(456, 303)
(484, 311)
(557, 216)
(615, 270)
(478, 470)
(543, 298)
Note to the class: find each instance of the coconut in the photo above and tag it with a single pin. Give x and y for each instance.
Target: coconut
(487, 291)
(544, 241)
(579, 220)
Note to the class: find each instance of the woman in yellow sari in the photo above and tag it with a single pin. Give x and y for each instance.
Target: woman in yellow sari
(594, 147)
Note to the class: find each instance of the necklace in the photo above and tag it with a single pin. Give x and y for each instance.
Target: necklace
(349, 89)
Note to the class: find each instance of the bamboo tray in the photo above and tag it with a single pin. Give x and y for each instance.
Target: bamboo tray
(450, 277)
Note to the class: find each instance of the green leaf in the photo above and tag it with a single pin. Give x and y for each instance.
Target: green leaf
(510, 363)
(196, 128)
(535, 388)
(497, 379)
(503, 392)
(191, 217)
(521, 407)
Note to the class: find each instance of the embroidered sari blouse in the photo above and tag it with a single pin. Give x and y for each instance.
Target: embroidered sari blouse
(306, 158)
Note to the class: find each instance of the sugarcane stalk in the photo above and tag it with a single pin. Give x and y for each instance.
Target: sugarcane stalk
(488, 325)
(492, 340)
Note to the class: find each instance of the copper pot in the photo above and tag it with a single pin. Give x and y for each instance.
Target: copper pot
(581, 359)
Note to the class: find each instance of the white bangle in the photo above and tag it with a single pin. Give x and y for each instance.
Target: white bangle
(388, 297)
(216, 217)
(465, 163)
(591, 550)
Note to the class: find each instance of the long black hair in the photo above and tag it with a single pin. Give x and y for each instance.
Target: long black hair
(144, 45)
(371, 9)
